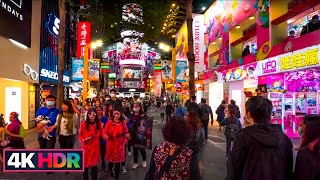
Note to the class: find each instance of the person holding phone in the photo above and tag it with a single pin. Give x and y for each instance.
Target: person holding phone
(89, 136)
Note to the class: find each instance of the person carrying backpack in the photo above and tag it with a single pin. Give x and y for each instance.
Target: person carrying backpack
(233, 126)
(205, 111)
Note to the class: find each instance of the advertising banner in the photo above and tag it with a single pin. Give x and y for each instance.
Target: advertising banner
(273, 82)
(157, 82)
(93, 74)
(181, 70)
(84, 35)
(143, 133)
(77, 69)
(166, 70)
(240, 73)
(15, 20)
(269, 66)
(131, 74)
(304, 81)
(304, 58)
(198, 41)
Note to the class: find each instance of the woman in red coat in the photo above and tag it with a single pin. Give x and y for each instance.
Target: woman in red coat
(90, 132)
(116, 133)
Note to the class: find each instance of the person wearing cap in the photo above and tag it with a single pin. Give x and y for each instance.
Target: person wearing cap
(14, 128)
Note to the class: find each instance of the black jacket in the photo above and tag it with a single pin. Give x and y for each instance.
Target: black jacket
(261, 152)
(307, 165)
(117, 104)
(220, 113)
(192, 106)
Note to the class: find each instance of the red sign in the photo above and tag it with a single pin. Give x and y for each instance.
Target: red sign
(84, 35)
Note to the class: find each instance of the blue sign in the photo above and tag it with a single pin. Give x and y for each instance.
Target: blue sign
(181, 70)
(49, 67)
(52, 25)
(77, 69)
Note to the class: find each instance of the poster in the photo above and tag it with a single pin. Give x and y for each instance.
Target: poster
(273, 82)
(77, 69)
(93, 74)
(142, 133)
(181, 70)
(166, 70)
(240, 73)
(157, 82)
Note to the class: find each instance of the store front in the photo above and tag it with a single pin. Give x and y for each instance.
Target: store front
(239, 84)
(292, 81)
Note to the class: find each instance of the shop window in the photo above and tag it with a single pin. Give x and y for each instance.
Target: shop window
(290, 16)
(214, 50)
(304, 23)
(240, 36)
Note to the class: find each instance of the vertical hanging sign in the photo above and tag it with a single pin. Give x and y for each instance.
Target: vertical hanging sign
(84, 35)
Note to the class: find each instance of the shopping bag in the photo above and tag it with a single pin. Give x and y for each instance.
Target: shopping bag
(22, 132)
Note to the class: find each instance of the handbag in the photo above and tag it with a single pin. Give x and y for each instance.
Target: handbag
(166, 166)
(5, 140)
(22, 132)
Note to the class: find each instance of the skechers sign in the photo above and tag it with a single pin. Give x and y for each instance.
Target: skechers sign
(53, 75)
(15, 16)
(52, 25)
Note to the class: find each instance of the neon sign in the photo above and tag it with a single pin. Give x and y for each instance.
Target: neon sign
(305, 58)
(52, 25)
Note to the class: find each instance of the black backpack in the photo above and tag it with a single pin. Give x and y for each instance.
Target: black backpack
(205, 113)
(232, 129)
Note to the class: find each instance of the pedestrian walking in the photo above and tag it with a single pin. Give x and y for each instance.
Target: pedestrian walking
(308, 157)
(198, 135)
(220, 113)
(67, 126)
(136, 131)
(234, 106)
(171, 160)
(89, 136)
(103, 119)
(116, 134)
(169, 110)
(114, 101)
(162, 111)
(260, 151)
(193, 106)
(233, 126)
(47, 116)
(180, 111)
(14, 128)
(205, 115)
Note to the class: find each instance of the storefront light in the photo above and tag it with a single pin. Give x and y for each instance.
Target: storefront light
(18, 44)
(237, 27)
(251, 17)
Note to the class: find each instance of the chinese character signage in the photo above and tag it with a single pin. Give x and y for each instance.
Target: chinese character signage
(93, 74)
(308, 57)
(77, 69)
(181, 70)
(84, 34)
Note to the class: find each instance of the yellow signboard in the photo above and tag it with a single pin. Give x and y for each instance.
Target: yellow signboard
(302, 59)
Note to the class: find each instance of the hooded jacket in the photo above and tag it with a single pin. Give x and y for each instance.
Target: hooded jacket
(263, 152)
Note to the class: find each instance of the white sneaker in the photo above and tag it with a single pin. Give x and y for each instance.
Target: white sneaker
(135, 166)
(124, 170)
(144, 164)
(129, 153)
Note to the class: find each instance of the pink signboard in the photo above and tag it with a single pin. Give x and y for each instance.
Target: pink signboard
(274, 82)
(269, 66)
(240, 73)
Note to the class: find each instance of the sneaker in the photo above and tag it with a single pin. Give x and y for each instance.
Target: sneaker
(144, 164)
(135, 166)
(124, 170)
(129, 153)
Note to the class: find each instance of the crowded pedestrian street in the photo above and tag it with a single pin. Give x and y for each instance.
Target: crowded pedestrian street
(160, 89)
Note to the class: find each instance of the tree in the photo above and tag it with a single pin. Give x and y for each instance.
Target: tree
(190, 54)
(61, 45)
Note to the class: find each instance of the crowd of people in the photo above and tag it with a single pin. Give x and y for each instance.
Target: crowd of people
(105, 127)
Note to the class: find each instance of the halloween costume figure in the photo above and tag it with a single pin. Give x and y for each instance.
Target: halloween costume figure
(90, 132)
(116, 134)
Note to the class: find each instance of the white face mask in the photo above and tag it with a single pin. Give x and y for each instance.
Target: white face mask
(107, 99)
(136, 109)
(112, 95)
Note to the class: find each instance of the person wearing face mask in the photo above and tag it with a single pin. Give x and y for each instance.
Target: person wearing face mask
(135, 119)
(89, 135)
(116, 133)
(114, 101)
(49, 112)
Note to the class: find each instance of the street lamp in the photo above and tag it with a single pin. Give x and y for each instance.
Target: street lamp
(168, 48)
(92, 45)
